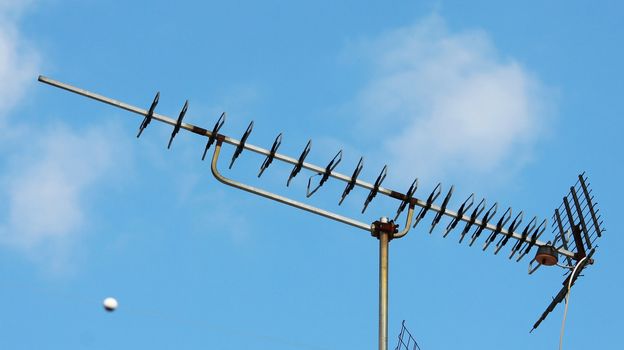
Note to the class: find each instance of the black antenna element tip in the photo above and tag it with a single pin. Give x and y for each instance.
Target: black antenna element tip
(325, 175)
(373, 192)
(352, 181)
(241, 145)
(214, 133)
(149, 115)
(299, 164)
(176, 127)
(269, 159)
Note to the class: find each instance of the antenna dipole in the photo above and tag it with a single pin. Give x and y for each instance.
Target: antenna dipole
(570, 218)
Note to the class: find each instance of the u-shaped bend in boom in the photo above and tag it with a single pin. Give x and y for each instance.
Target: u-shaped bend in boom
(294, 203)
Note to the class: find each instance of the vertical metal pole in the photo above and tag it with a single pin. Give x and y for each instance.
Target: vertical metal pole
(383, 290)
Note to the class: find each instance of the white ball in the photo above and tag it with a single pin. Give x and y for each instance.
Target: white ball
(110, 304)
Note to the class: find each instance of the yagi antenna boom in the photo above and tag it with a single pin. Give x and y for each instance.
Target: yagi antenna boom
(295, 162)
(576, 222)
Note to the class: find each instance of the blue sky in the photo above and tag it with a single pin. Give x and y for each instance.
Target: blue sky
(509, 101)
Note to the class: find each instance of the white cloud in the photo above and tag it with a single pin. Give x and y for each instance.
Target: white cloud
(46, 190)
(48, 170)
(46, 182)
(443, 102)
(18, 61)
(14, 8)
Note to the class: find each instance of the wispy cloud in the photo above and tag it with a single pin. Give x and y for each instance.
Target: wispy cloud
(14, 8)
(18, 61)
(441, 102)
(45, 180)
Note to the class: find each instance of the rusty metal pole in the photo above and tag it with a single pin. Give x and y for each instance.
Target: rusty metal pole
(385, 230)
(384, 240)
(383, 290)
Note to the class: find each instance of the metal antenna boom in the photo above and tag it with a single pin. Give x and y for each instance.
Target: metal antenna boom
(314, 168)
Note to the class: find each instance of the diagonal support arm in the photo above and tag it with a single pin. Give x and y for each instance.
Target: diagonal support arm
(278, 198)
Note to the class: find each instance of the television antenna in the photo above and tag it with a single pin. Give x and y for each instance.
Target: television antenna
(576, 222)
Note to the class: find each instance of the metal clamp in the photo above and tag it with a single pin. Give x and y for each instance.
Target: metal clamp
(391, 228)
